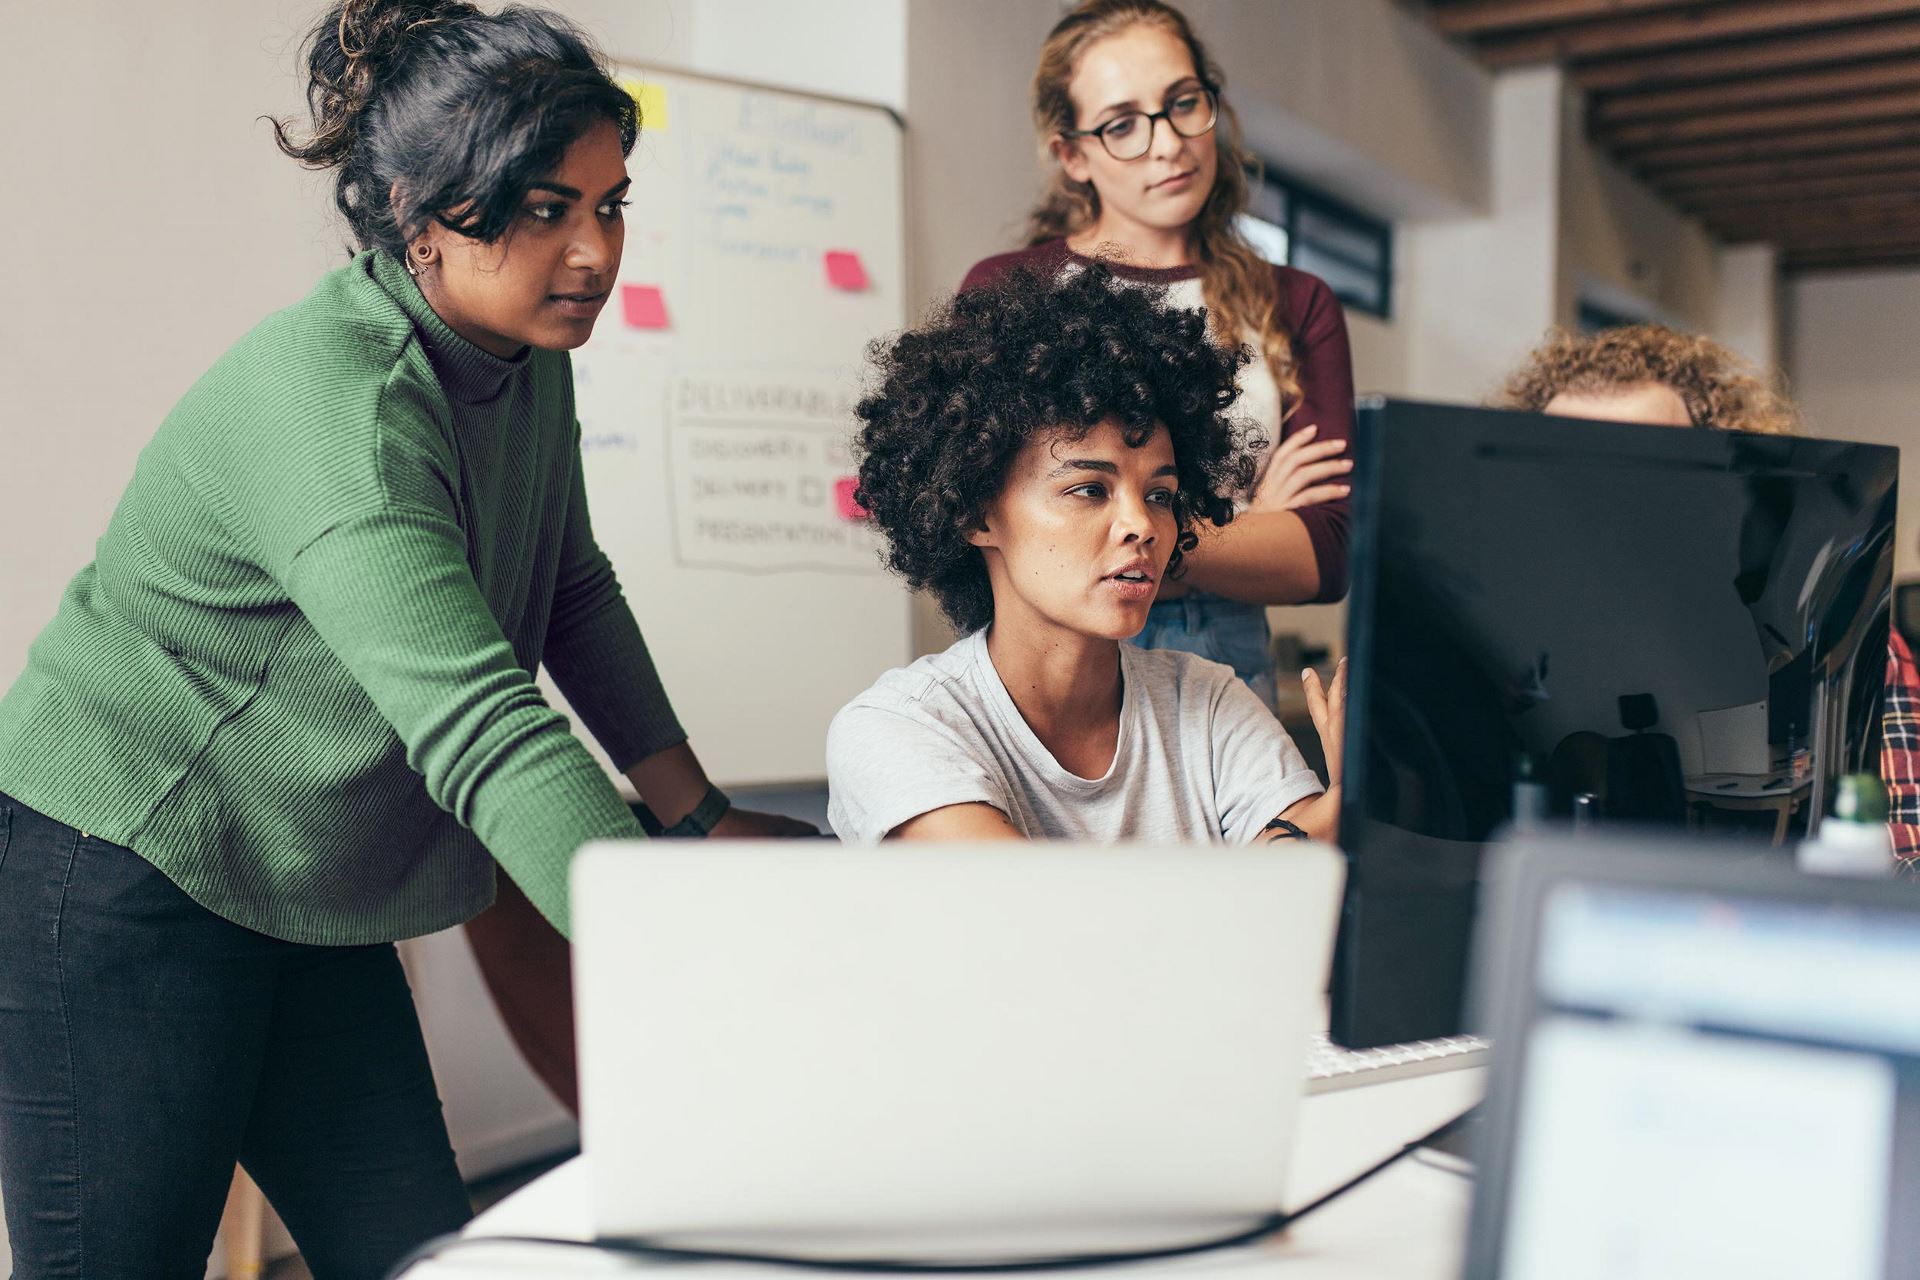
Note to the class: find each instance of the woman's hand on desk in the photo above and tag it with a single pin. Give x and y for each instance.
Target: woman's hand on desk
(745, 824)
(671, 782)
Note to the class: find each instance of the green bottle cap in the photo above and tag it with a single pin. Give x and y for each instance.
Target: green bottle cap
(1860, 799)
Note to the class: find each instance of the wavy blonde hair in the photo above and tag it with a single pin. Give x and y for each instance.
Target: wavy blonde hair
(1237, 284)
(1719, 388)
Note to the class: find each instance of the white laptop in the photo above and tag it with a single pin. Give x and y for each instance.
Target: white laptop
(929, 1046)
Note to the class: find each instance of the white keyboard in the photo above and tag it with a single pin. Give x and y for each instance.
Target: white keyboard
(1330, 1067)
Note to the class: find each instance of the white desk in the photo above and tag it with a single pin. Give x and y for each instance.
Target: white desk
(1775, 791)
(1408, 1223)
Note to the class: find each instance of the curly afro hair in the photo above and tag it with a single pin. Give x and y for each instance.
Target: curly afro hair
(956, 399)
(1719, 389)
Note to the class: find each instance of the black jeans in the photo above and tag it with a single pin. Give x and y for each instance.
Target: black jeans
(146, 1044)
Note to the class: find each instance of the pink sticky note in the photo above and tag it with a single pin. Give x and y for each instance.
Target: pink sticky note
(844, 501)
(845, 270)
(643, 306)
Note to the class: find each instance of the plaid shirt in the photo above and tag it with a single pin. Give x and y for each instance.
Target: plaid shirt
(1900, 751)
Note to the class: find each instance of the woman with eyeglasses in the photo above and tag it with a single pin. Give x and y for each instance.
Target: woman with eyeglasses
(1148, 176)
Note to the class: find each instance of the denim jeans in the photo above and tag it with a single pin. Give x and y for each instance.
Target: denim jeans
(1218, 628)
(146, 1044)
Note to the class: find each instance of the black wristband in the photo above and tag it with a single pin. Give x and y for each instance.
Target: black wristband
(705, 816)
(1292, 832)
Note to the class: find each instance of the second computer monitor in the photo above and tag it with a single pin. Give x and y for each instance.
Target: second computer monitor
(1590, 622)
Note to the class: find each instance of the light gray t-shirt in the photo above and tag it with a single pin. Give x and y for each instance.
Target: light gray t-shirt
(1199, 758)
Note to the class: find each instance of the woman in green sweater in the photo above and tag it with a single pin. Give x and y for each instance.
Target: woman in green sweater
(286, 716)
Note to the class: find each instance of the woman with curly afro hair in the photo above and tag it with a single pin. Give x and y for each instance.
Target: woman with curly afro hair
(1037, 455)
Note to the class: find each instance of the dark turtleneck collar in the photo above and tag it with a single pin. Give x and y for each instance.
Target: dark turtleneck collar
(467, 373)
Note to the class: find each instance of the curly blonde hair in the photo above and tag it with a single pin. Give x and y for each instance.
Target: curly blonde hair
(1237, 283)
(1720, 389)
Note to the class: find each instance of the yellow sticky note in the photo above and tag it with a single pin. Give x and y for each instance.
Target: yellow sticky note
(652, 101)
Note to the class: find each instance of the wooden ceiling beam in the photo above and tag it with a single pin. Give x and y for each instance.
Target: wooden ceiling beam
(1890, 243)
(1889, 181)
(1481, 17)
(1813, 235)
(1807, 239)
(1846, 260)
(1887, 39)
(1651, 161)
(1854, 253)
(1831, 251)
(1800, 261)
(1734, 95)
(1866, 108)
(1695, 24)
(1869, 211)
(1809, 234)
(1786, 169)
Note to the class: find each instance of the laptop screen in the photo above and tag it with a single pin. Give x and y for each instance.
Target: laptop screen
(1717, 1085)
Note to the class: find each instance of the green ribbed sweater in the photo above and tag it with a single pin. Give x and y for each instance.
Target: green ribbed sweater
(296, 675)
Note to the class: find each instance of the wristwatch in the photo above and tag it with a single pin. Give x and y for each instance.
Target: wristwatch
(705, 816)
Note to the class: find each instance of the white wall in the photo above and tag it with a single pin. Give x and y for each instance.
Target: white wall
(1849, 356)
(973, 166)
(158, 224)
(1619, 238)
(972, 163)
(1747, 313)
(844, 48)
(1482, 289)
(1361, 97)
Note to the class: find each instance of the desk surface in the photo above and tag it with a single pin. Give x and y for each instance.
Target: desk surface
(1745, 786)
(1408, 1223)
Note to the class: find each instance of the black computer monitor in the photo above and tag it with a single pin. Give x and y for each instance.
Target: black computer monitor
(1559, 618)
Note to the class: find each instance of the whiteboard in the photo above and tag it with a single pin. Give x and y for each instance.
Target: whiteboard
(764, 250)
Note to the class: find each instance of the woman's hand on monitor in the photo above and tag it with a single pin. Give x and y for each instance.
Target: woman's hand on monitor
(1328, 707)
(1318, 817)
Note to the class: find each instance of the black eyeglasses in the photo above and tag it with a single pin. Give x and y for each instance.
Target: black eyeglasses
(1128, 137)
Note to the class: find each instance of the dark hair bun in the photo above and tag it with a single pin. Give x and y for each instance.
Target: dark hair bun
(451, 106)
(351, 47)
